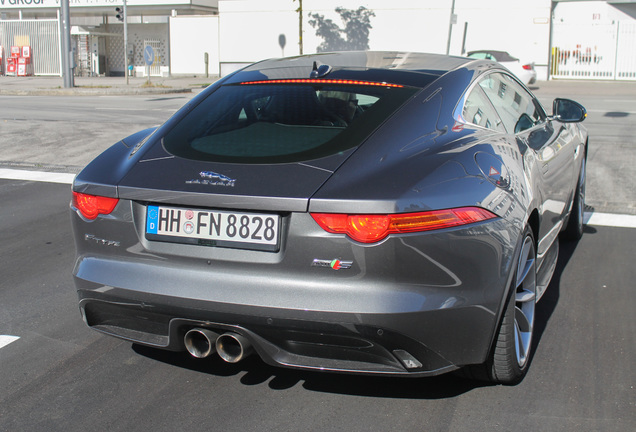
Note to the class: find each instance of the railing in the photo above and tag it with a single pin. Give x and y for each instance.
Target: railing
(598, 51)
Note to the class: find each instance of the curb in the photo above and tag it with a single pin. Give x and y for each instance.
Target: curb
(46, 167)
(79, 91)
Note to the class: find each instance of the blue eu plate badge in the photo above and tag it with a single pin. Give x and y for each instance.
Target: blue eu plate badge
(152, 220)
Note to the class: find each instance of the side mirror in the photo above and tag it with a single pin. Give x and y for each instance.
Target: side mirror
(568, 111)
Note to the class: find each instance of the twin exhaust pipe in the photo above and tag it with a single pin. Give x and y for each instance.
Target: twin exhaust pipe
(231, 347)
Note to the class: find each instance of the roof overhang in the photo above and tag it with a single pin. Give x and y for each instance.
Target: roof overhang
(101, 7)
(85, 30)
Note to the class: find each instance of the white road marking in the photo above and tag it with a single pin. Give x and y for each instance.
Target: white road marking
(49, 177)
(591, 218)
(610, 220)
(608, 111)
(133, 109)
(617, 100)
(6, 340)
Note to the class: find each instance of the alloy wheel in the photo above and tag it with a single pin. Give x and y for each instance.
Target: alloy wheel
(525, 301)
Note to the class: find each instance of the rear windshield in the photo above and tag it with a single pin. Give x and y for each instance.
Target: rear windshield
(281, 123)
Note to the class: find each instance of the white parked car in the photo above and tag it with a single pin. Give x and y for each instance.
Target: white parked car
(524, 71)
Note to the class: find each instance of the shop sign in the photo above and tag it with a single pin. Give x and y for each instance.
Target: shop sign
(25, 4)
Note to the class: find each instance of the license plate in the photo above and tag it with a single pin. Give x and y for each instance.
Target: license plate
(213, 228)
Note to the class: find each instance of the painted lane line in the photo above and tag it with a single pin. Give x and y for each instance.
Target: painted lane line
(590, 218)
(16, 174)
(608, 111)
(133, 109)
(610, 220)
(6, 340)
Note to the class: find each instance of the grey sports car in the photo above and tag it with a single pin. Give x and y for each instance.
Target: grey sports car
(362, 212)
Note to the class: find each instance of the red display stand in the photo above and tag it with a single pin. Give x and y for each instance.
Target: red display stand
(19, 63)
(12, 66)
(26, 53)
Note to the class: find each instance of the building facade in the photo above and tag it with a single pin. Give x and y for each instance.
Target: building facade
(565, 39)
(97, 33)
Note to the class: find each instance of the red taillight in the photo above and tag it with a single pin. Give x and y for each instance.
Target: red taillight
(373, 228)
(90, 206)
(527, 67)
(322, 81)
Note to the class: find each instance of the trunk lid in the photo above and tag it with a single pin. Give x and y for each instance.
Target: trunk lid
(163, 178)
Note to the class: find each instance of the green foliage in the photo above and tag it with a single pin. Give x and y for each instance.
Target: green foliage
(356, 31)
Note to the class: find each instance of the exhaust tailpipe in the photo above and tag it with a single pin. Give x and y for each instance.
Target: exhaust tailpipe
(200, 342)
(233, 347)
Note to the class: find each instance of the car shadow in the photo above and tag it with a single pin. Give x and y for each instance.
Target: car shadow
(253, 371)
(548, 303)
(159, 99)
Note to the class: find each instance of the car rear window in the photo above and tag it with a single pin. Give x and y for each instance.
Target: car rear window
(281, 123)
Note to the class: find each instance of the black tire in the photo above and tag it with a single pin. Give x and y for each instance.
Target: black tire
(574, 229)
(510, 356)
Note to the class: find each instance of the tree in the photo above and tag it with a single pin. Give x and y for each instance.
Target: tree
(356, 31)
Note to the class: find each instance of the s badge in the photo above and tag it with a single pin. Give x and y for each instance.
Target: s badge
(335, 264)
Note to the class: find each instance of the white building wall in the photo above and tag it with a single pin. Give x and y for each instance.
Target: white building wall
(594, 40)
(250, 29)
(403, 25)
(520, 27)
(190, 38)
(589, 12)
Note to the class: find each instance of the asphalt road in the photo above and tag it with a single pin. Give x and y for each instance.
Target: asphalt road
(611, 107)
(58, 375)
(66, 132)
(70, 131)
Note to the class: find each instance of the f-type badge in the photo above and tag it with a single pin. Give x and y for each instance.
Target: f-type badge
(212, 179)
(335, 264)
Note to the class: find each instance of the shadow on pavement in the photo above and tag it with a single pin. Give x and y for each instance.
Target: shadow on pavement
(254, 371)
(548, 303)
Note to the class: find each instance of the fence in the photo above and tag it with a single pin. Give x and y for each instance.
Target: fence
(155, 69)
(42, 35)
(596, 51)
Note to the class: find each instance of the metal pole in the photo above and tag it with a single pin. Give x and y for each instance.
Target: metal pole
(67, 54)
(125, 42)
(551, 53)
(618, 23)
(464, 39)
(60, 30)
(450, 27)
(300, 26)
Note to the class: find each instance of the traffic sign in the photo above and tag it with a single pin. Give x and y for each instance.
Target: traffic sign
(149, 55)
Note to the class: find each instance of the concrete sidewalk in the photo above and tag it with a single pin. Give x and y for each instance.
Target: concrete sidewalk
(90, 86)
(43, 86)
(564, 88)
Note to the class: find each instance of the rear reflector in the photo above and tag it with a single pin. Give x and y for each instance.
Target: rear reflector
(90, 206)
(373, 228)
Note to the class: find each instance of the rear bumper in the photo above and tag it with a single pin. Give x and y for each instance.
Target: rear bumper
(437, 297)
(440, 340)
(327, 343)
